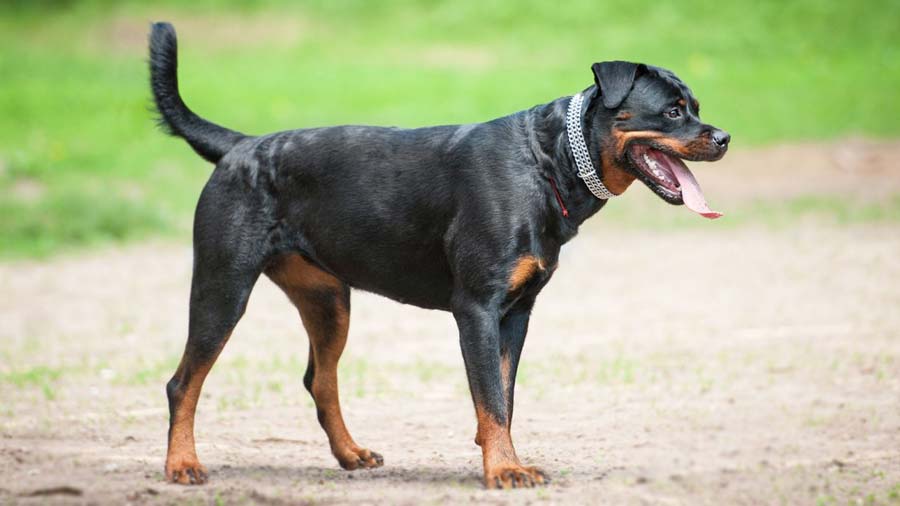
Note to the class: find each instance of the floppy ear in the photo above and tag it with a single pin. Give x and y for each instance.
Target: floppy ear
(615, 79)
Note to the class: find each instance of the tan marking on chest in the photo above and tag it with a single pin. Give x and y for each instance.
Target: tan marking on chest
(526, 267)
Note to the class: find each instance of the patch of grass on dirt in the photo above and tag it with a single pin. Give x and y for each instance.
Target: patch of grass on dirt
(615, 370)
(37, 375)
(41, 376)
(893, 494)
(155, 372)
(81, 162)
(428, 371)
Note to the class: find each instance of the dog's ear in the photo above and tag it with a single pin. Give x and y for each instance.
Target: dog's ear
(615, 79)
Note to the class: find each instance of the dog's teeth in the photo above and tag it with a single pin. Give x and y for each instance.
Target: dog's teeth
(655, 169)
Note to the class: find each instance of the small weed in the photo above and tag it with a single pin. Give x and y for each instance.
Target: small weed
(427, 371)
(620, 369)
(893, 494)
(48, 391)
(240, 403)
(239, 362)
(156, 372)
(826, 500)
(125, 328)
(38, 375)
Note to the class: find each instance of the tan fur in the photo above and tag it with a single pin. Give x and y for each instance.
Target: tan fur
(524, 269)
(502, 468)
(297, 278)
(294, 272)
(181, 456)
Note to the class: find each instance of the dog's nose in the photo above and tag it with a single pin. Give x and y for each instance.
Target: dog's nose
(721, 138)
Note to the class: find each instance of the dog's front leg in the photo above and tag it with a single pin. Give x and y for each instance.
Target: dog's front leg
(479, 334)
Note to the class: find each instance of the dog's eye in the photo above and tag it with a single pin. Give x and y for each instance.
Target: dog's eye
(673, 113)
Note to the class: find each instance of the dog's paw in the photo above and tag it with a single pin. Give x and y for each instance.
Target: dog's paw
(186, 472)
(507, 476)
(360, 458)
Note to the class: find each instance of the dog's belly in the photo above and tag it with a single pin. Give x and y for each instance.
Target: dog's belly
(426, 286)
(416, 274)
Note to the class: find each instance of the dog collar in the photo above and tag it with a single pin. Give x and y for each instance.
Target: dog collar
(583, 161)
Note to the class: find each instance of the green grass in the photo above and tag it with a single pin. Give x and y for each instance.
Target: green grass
(32, 376)
(39, 376)
(81, 162)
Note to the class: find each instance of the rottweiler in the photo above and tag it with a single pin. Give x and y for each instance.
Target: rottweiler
(463, 218)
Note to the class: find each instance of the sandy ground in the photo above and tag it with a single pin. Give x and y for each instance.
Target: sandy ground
(747, 366)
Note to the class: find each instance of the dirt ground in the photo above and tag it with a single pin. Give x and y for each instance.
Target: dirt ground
(750, 365)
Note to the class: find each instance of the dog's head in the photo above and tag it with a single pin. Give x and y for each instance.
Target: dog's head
(649, 122)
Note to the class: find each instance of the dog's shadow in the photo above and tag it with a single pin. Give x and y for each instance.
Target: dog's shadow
(300, 474)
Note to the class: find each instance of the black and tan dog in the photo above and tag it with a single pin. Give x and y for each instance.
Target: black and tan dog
(468, 219)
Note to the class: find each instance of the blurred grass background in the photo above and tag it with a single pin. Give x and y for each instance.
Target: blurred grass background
(82, 163)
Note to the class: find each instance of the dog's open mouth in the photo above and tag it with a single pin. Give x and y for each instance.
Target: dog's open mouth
(668, 176)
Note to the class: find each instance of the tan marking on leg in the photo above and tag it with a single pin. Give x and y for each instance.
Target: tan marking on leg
(504, 374)
(182, 464)
(524, 269)
(327, 324)
(327, 349)
(502, 468)
(505, 370)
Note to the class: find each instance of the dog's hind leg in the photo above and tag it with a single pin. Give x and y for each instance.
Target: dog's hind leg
(228, 259)
(218, 298)
(324, 305)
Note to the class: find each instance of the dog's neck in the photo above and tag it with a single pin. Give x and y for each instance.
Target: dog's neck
(550, 145)
(587, 169)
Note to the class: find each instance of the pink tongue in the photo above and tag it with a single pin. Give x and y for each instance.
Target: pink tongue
(691, 192)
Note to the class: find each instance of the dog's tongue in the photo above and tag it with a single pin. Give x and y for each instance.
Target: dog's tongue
(691, 192)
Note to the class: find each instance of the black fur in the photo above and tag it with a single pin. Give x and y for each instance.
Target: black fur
(436, 217)
(208, 139)
(615, 80)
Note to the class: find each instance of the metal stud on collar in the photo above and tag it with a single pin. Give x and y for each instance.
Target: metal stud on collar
(579, 150)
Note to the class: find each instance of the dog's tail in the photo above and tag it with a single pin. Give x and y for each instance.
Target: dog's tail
(209, 140)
